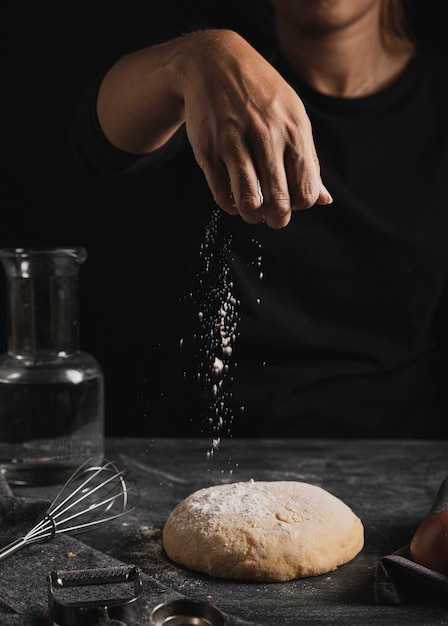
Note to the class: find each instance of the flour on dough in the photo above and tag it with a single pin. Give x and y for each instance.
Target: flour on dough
(269, 531)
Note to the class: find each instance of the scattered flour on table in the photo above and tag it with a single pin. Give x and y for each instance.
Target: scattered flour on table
(147, 551)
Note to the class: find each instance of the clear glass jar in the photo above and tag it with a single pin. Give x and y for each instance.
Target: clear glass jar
(51, 392)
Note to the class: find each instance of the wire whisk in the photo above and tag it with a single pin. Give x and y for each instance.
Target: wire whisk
(93, 495)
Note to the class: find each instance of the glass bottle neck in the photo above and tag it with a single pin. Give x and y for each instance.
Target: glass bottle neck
(42, 300)
(43, 318)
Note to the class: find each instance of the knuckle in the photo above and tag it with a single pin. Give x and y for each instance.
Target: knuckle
(306, 196)
(307, 200)
(223, 200)
(277, 211)
(277, 206)
(249, 202)
(249, 207)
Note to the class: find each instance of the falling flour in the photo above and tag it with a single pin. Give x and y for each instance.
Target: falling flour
(217, 311)
(218, 316)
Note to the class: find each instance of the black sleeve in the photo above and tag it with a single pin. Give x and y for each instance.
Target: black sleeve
(96, 154)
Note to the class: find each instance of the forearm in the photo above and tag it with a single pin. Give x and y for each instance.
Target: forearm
(139, 105)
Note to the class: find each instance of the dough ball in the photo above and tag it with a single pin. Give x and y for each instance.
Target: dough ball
(268, 531)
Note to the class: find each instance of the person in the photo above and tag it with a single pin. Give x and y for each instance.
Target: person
(307, 218)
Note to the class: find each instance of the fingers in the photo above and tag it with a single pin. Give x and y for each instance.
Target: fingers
(246, 192)
(268, 190)
(235, 186)
(324, 196)
(218, 181)
(304, 180)
(290, 181)
(276, 197)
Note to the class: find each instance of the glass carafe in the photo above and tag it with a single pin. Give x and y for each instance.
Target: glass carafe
(51, 392)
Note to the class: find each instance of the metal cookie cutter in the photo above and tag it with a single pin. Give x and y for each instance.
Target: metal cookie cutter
(185, 612)
(92, 597)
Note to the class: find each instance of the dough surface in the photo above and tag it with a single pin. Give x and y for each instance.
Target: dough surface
(269, 531)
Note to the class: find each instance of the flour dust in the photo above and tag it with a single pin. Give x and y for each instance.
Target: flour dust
(219, 317)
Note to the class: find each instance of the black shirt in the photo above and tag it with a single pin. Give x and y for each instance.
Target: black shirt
(335, 325)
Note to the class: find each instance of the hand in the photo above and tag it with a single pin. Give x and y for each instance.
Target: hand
(248, 129)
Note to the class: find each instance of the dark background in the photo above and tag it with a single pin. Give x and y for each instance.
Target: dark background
(49, 52)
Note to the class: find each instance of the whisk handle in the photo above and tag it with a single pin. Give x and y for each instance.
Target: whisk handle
(12, 547)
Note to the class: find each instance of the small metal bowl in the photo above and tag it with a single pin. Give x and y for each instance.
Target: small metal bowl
(186, 613)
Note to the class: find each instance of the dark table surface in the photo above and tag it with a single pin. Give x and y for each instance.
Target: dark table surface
(390, 485)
